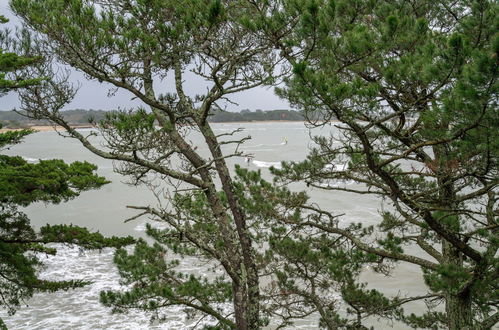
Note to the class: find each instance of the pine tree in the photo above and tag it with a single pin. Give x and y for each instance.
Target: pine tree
(22, 183)
(413, 85)
(137, 46)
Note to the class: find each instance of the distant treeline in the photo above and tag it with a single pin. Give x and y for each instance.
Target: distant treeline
(258, 115)
(11, 119)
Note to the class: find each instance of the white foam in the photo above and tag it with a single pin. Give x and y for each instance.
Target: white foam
(157, 225)
(86, 129)
(259, 163)
(80, 309)
(32, 160)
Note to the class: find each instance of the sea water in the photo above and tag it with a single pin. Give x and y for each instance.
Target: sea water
(104, 210)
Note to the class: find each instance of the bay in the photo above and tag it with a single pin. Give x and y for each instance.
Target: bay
(105, 210)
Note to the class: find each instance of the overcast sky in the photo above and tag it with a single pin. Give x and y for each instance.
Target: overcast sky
(94, 95)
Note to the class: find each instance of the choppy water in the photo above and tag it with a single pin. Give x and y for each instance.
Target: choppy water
(104, 210)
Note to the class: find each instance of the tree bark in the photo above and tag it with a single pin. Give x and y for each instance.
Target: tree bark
(240, 307)
(248, 290)
(457, 305)
(459, 312)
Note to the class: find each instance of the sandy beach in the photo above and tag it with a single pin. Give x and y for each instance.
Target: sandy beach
(44, 128)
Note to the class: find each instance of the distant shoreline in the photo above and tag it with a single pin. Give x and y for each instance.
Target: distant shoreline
(257, 121)
(266, 121)
(43, 128)
(49, 128)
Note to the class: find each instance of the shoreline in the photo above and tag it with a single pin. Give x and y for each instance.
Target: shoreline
(49, 128)
(257, 122)
(43, 128)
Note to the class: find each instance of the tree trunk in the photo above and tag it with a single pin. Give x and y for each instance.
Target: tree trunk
(246, 306)
(459, 314)
(457, 305)
(240, 307)
(247, 294)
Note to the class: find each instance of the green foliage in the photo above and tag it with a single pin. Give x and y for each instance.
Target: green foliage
(415, 89)
(19, 265)
(132, 44)
(23, 183)
(18, 269)
(369, 302)
(11, 62)
(81, 236)
(310, 266)
(49, 181)
(430, 320)
(215, 11)
(52, 181)
(155, 283)
(447, 278)
(13, 137)
(138, 122)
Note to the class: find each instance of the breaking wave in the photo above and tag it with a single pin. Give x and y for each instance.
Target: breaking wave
(262, 164)
(32, 160)
(80, 308)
